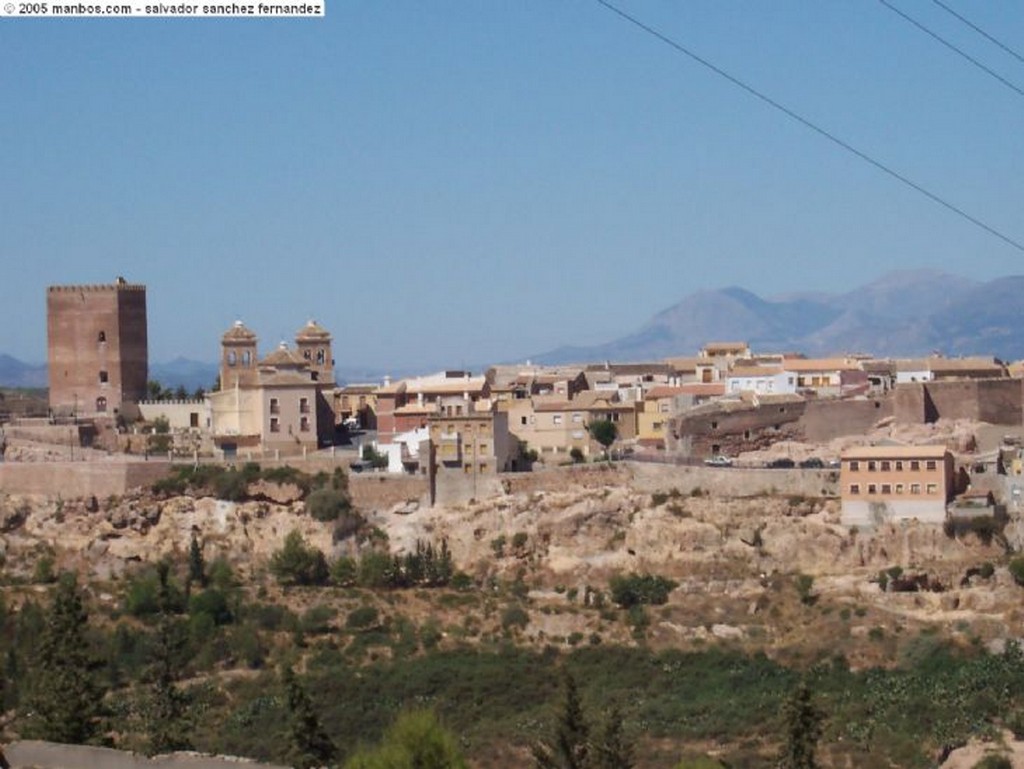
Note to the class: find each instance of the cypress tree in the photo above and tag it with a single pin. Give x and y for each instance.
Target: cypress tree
(614, 750)
(63, 703)
(570, 746)
(168, 717)
(803, 728)
(196, 564)
(310, 746)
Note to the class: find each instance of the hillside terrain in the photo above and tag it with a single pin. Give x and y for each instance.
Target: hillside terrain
(764, 586)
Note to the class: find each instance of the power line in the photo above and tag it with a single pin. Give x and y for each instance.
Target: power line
(979, 30)
(814, 127)
(952, 47)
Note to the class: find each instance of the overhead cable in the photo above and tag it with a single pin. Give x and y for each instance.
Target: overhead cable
(952, 47)
(979, 30)
(813, 126)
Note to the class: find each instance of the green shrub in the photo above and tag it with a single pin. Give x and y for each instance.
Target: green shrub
(213, 603)
(636, 589)
(328, 504)
(1016, 566)
(362, 618)
(344, 571)
(514, 616)
(297, 563)
(986, 570)
(317, 619)
(804, 586)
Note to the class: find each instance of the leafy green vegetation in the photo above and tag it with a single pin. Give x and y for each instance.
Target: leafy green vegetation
(640, 589)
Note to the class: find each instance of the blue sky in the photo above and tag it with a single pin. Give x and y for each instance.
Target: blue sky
(452, 183)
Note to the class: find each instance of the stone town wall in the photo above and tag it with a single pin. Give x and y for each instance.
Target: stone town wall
(996, 401)
(78, 479)
(825, 420)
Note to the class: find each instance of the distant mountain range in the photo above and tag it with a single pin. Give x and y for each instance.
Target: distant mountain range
(14, 373)
(904, 313)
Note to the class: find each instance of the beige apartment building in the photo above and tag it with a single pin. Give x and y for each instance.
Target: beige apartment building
(887, 483)
(474, 442)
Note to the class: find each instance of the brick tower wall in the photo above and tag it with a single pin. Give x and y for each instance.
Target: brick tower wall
(94, 329)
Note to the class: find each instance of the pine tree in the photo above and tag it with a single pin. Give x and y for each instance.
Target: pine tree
(803, 728)
(570, 747)
(63, 703)
(310, 746)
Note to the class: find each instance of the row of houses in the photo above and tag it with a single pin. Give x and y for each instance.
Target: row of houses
(287, 401)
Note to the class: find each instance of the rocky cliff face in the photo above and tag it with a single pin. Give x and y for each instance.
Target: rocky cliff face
(735, 560)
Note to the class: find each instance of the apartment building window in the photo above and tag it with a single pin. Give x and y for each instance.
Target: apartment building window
(275, 408)
(855, 488)
(886, 466)
(872, 466)
(886, 488)
(577, 417)
(304, 425)
(915, 465)
(929, 465)
(899, 465)
(303, 405)
(932, 488)
(872, 488)
(522, 420)
(104, 377)
(556, 419)
(854, 465)
(899, 488)
(275, 425)
(482, 448)
(915, 488)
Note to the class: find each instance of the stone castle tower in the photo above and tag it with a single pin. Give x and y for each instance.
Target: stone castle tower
(97, 345)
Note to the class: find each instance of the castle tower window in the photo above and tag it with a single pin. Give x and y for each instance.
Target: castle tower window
(104, 377)
(232, 358)
(246, 358)
(101, 404)
(102, 337)
(321, 357)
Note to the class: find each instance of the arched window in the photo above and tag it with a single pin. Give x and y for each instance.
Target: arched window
(320, 357)
(101, 404)
(246, 358)
(232, 358)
